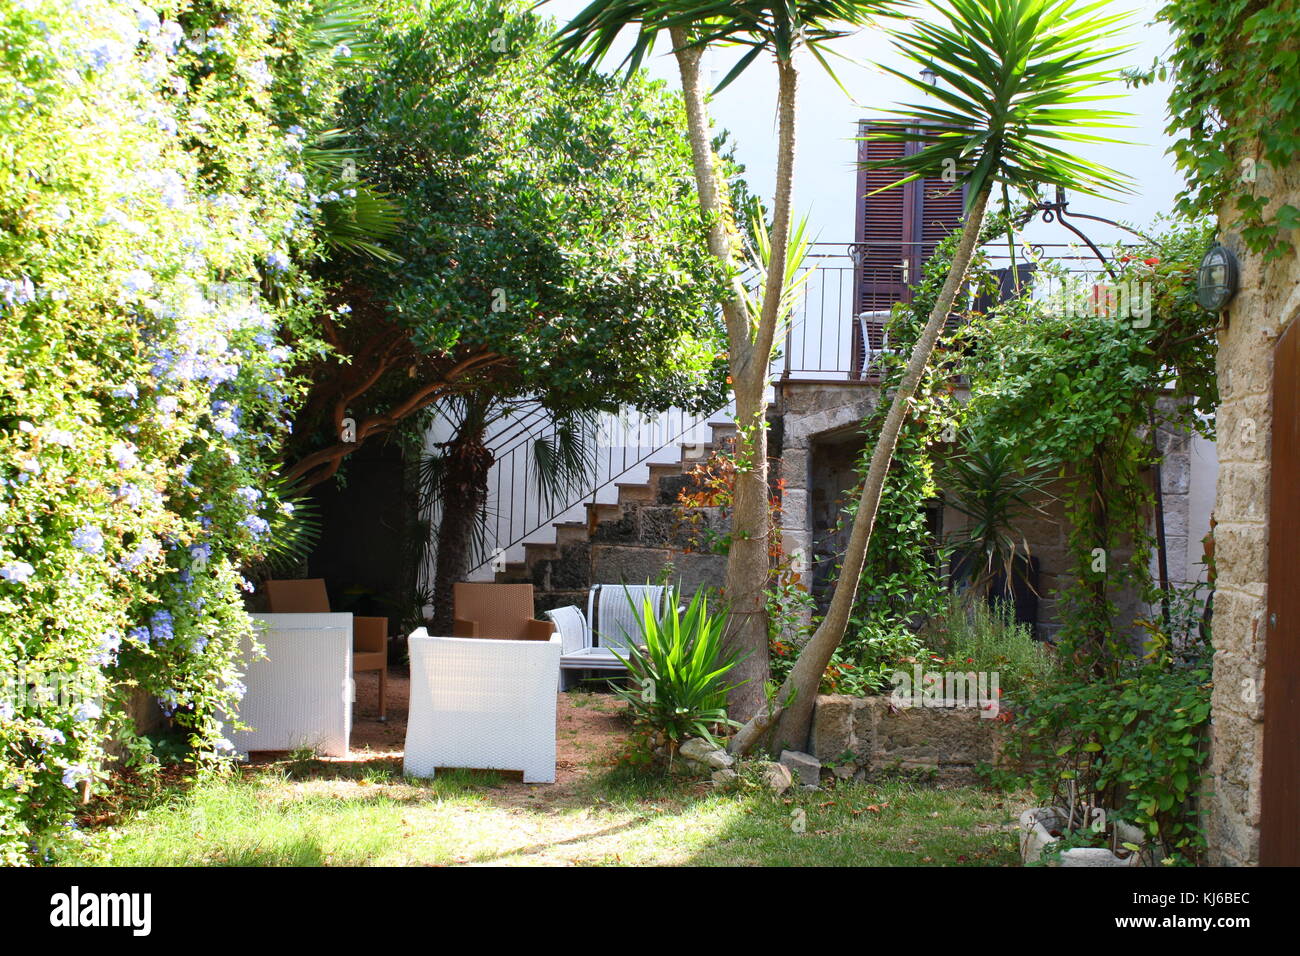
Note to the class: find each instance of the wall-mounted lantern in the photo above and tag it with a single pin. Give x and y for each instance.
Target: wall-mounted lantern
(1216, 280)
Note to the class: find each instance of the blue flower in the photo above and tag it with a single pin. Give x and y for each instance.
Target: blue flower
(88, 710)
(160, 625)
(137, 281)
(250, 496)
(123, 455)
(138, 634)
(109, 644)
(75, 775)
(226, 427)
(168, 404)
(257, 525)
(130, 495)
(139, 556)
(17, 292)
(89, 539)
(278, 261)
(17, 572)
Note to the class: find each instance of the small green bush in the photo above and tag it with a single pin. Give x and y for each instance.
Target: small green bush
(988, 640)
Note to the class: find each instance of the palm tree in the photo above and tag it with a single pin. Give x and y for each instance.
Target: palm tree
(780, 29)
(453, 481)
(1017, 75)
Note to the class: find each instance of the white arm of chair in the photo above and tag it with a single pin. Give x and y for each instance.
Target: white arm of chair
(571, 626)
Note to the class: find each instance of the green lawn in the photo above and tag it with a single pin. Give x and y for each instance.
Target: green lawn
(304, 812)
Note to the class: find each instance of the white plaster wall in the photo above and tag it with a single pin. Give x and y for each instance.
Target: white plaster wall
(1200, 502)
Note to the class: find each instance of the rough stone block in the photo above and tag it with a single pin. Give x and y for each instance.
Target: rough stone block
(621, 530)
(805, 766)
(1241, 553)
(794, 509)
(612, 564)
(936, 736)
(662, 526)
(777, 777)
(695, 571)
(832, 730)
(670, 486)
(572, 569)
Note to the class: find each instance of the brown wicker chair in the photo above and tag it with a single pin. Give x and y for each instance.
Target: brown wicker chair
(505, 611)
(369, 634)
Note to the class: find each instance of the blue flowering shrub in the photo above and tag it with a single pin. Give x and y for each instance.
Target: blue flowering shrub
(155, 216)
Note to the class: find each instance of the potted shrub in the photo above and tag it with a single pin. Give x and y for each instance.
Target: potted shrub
(1117, 763)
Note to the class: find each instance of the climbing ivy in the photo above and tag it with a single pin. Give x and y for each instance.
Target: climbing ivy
(1078, 384)
(904, 574)
(1233, 109)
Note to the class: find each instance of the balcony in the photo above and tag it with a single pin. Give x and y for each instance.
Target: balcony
(838, 330)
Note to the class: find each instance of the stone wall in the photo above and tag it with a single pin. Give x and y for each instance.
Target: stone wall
(1269, 299)
(634, 547)
(820, 425)
(865, 735)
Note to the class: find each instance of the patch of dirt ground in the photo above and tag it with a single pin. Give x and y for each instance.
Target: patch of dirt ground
(588, 727)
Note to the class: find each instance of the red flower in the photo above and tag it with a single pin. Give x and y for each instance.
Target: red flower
(1153, 261)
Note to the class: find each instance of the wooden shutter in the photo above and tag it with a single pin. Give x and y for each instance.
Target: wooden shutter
(884, 226)
(897, 229)
(939, 212)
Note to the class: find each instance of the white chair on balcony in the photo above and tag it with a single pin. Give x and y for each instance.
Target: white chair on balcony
(483, 704)
(612, 621)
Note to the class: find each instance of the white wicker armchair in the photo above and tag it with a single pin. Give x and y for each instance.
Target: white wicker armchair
(482, 703)
(300, 693)
(611, 623)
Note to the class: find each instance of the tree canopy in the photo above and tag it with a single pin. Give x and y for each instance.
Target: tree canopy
(550, 241)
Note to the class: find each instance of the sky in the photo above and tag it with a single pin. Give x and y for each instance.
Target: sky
(825, 178)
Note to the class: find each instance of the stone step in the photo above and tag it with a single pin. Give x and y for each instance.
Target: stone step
(661, 470)
(570, 532)
(693, 455)
(535, 551)
(516, 572)
(598, 511)
(722, 431)
(633, 492)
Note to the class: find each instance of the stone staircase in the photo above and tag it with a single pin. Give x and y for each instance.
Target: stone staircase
(629, 540)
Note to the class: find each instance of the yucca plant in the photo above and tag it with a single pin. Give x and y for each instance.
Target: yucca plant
(678, 676)
(993, 491)
(1016, 82)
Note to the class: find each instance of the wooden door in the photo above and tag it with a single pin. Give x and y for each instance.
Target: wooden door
(1280, 786)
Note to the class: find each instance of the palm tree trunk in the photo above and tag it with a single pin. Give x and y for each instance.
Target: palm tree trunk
(750, 350)
(464, 493)
(794, 702)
